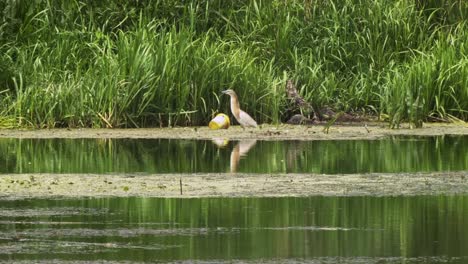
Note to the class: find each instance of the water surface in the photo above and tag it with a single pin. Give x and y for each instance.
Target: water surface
(419, 229)
(393, 154)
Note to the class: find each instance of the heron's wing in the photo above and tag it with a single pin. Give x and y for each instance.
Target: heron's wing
(246, 119)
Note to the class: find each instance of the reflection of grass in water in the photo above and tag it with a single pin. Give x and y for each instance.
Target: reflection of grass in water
(362, 226)
(391, 155)
(72, 155)
(170, 156)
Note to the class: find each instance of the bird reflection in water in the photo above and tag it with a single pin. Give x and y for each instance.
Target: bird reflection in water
(240, 150)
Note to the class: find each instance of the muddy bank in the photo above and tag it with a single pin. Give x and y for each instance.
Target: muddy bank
(265, 132)
(18, 186)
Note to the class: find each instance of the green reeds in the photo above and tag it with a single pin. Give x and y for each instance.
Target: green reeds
(164, 63)
(432, 84)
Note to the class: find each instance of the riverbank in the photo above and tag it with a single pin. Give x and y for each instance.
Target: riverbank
(265, 132)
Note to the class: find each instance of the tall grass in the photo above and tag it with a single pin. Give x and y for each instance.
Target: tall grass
(431, 84)
(164, 63)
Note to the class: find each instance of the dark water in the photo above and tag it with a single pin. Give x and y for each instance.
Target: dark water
(394, 154)
(419, 229)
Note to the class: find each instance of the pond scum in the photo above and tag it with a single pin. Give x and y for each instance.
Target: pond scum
(163, 63)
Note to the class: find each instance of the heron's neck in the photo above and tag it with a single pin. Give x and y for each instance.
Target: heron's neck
(235, 107)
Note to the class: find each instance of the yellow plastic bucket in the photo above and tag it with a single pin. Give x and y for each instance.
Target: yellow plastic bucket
(221, 121)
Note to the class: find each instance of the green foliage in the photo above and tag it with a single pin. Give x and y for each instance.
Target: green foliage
(134, 63)
(433, 84)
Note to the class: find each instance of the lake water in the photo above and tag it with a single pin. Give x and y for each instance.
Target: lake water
(418, 229)
(361, 229)
(395, 154)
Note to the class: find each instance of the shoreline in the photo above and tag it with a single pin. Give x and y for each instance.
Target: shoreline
(265, 132)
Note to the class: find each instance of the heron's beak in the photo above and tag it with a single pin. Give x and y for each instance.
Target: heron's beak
(224, 92)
